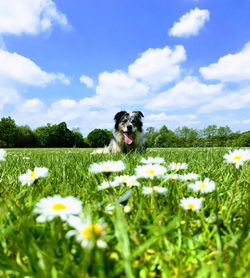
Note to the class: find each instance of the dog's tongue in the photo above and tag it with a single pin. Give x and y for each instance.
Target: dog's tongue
(128, 138)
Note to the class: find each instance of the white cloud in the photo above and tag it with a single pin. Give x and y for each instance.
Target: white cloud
(117, 87)
(230, 68)
(87, 81)
(172, 121)
(29, 16)
(157, 67)
(188, 93)
(31, 106)
(228, 101)
(17, 68)
(8, 96)
(190, 23)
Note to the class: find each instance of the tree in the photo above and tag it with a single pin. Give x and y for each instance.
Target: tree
(223, 131)
(243, 140)
(25, 137)
(78, 139)
(99, 138)
(166, 138)
(8, 132)
(188, 136)
(150, 136)
(42, 135)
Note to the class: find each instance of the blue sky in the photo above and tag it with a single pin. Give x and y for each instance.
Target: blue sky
(182, 62)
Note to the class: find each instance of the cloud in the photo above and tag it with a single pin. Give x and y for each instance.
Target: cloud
(187, 93)
(230, 68)
(87, 81)
(190, 23)
(228, 101)
(117, 88)
(17, 68)
(29, 16)
(8, 96)
(31, 106)
(163, 117)
(159, 66)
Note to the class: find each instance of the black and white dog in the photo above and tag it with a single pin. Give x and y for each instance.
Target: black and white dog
(127, 135)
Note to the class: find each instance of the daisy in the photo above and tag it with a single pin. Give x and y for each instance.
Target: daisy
(30, 176)
(150, 171)
(153, 160)
(127, 180)
(107, 184)
(237, 157)
(107, 167)
(154, 190)
(191, 203)
(2, 154)
(86, 232)
(51, 207)
(189, 177)
(177, 166)
(172, 177)
(204, 186)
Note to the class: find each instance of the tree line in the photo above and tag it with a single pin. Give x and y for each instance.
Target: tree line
(59, 135)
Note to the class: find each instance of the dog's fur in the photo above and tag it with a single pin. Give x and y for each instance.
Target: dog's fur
(127, 135)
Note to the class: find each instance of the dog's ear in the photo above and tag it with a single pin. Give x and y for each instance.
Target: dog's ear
(138, 113)
(119, 115)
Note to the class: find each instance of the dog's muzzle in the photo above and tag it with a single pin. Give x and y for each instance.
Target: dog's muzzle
(128, 138)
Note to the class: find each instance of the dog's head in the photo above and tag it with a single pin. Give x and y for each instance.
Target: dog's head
(128, 124)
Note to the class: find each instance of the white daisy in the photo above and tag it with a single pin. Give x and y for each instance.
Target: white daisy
(150, 171)
(129, 181)
(154, 190)
(107, 167)
(204, 186)
(51, 207)
(153, 160)
(87, 233)
(237, 157)
(2, 154)
(189, 177)
(177, 166)
(172, 177)
(107, 184)
(30, 176)
(191, 203)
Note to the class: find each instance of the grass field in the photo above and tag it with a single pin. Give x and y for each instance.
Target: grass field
(145, 236)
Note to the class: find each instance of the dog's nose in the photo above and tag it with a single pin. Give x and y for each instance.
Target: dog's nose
(129, 127)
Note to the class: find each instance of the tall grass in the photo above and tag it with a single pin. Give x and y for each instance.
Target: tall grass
(155, 238)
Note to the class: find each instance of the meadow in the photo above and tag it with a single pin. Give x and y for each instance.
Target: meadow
(143, 234)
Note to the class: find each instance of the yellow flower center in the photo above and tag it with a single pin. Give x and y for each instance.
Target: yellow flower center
(177, 166)
(124, 180)
(151, 172)
(202, 185)
(92, 231)
(58, 206)
(154, 190)
(106, 168)
(191, 206)
(237, 157)
(32, 174)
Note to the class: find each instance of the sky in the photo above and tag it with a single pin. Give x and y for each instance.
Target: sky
(180, 62)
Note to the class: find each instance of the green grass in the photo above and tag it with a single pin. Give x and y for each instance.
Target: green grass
(157, 238)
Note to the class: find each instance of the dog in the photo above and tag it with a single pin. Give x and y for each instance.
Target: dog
(128, 135)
